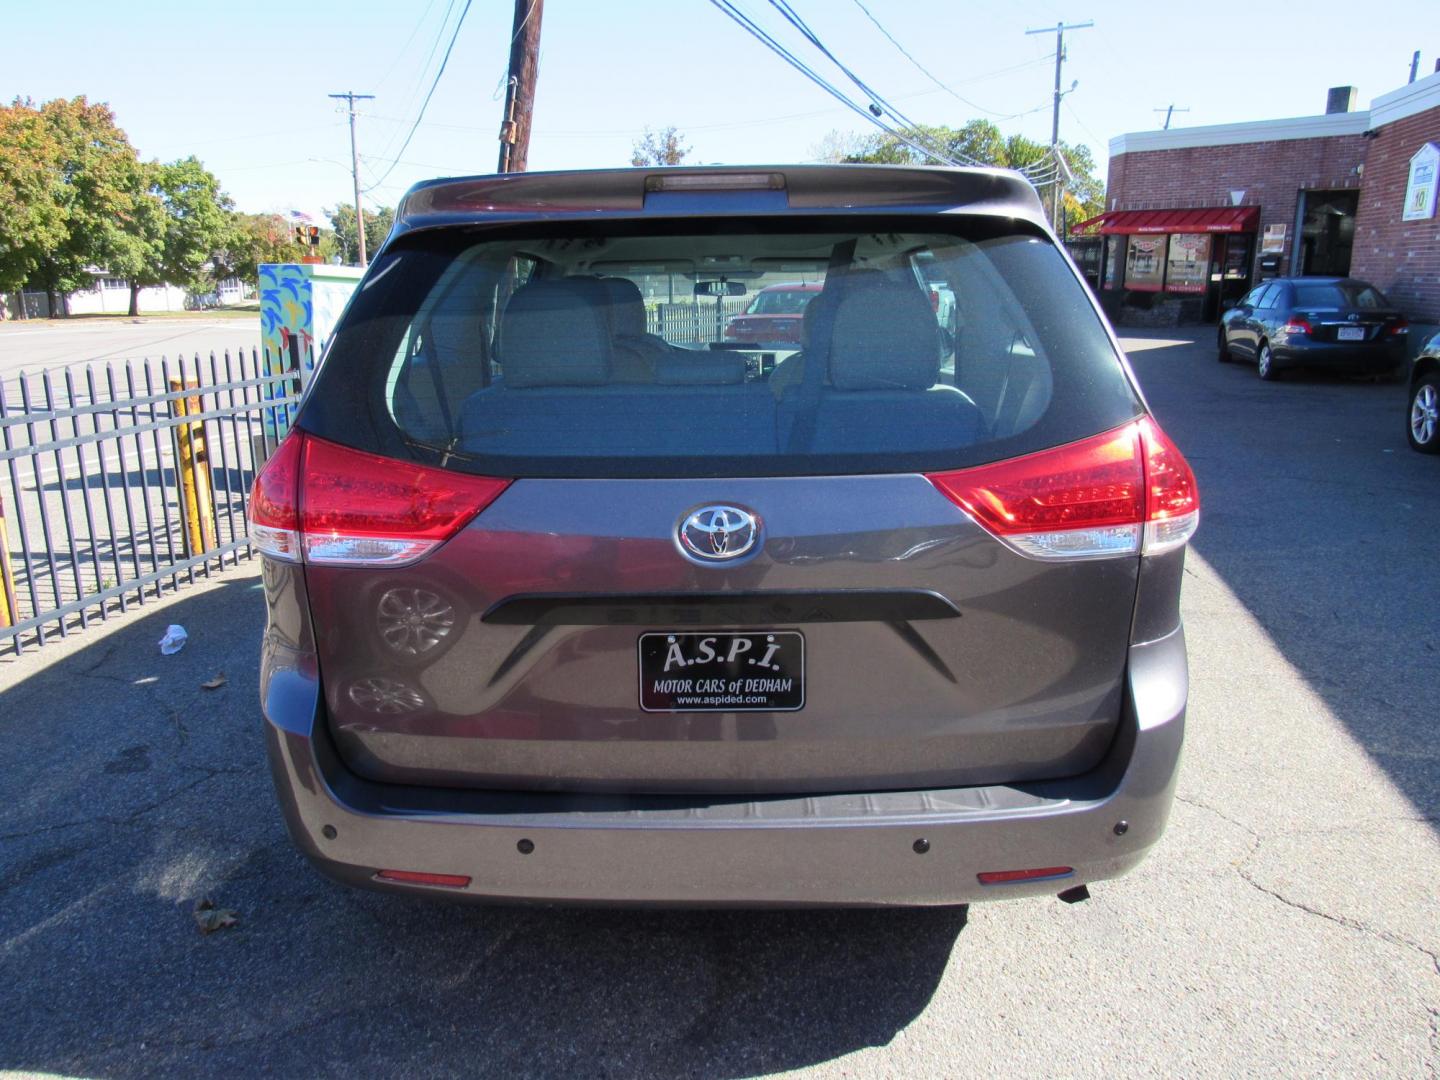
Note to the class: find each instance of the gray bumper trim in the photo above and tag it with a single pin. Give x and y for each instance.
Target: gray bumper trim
(851, 849)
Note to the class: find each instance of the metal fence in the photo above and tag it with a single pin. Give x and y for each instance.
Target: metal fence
(694, 323)
(117, 484)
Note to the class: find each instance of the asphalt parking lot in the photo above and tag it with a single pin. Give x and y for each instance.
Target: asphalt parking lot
(1288, 924)
(33, 345)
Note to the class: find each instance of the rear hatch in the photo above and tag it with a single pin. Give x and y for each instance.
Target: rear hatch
(544, 555)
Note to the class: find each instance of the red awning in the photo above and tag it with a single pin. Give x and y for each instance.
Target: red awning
(1209, 219)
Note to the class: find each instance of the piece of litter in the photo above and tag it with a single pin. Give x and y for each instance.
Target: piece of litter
(209, 918)
(215, 683)
(174, 639)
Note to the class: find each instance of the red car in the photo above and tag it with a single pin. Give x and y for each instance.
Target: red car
(776, 316)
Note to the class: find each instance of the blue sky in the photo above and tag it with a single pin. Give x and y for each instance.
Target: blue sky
(243, 85)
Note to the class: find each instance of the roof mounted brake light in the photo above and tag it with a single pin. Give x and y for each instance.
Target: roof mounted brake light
(722, 181)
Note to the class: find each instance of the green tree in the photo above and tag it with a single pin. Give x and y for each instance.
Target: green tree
(377, 228)
(252, 239)
(178, 221)
(139, 259)
(198, 218)
(32, 214)
(100, 180)
(73, 179)
(663, 147)
(981, 141)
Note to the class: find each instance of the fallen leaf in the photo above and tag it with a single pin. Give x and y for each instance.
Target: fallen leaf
(215, 683)
(209, 918)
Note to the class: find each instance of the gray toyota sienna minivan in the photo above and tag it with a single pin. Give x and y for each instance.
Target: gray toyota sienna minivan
(574, 597)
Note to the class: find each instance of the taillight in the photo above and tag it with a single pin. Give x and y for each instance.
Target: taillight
(1124, 491)
(275, 502)
(1398, 327)
(330, 504)
(1296, 326)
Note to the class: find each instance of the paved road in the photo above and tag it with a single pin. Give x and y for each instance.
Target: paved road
(1288, 924)
(36, 344)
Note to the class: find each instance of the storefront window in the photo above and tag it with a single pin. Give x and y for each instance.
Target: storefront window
(1145, 263)
(1188, 263)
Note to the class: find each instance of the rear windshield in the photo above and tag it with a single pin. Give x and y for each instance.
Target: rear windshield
(781, 302)
(1339, 295)
(623, 351)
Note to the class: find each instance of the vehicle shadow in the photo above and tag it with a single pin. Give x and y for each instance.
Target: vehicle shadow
(134, 793)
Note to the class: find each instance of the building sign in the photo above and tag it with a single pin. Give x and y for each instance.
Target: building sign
(1145, 263)
(1420, 188)
(1188, 263)
(1273, 242)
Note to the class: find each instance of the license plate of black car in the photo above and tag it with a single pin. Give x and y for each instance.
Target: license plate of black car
(1351, 333)
(744, 671)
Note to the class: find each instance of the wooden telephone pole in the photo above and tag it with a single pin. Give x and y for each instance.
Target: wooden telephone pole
(351, 97)
(520, 86)
(1057, 190)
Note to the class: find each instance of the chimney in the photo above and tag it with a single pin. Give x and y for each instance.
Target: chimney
(1341, 99)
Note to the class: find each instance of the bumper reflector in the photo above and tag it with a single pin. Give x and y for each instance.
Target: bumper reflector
(1009, 877)
(416, 877)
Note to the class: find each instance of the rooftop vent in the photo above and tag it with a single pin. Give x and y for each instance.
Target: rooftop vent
(1340, 99)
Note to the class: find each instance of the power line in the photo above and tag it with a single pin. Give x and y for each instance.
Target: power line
(877, 100)
(403, 48)
(934, 78)
(426, 103)
(414, 93)
(760, 34)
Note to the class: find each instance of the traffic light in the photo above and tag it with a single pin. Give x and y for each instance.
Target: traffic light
(307, 234)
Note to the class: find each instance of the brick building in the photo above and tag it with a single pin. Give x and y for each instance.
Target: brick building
(1195, 216)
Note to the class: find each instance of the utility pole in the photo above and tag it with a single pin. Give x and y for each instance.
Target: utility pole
(520, 86)
(1170, 111)
(1058, 189)
(351, 97)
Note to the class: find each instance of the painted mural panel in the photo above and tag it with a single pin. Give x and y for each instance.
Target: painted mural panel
(300, 304)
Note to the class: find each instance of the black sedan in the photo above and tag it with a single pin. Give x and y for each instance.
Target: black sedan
(1422, 418)
(1335, 323)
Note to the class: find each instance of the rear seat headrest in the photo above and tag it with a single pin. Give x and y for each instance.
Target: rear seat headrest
(627, 306)
(885, 335)
(695, 368)
(554, 334)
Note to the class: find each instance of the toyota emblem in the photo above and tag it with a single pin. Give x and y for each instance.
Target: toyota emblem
(717, 533)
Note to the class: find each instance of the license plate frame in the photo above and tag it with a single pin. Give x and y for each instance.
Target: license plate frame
(766, 674)
(1350, 333)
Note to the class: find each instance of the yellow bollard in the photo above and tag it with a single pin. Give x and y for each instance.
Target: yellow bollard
(197, 503)
(9, 611)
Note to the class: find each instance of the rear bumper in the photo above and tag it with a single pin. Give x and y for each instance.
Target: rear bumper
(817, 850)
(1374, 357)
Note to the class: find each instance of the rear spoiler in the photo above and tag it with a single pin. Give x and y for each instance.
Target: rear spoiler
(717, 191)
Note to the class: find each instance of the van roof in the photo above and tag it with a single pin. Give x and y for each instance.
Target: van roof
(704, 191)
